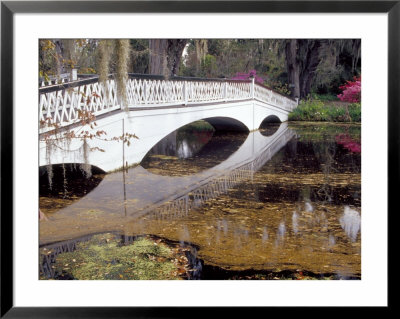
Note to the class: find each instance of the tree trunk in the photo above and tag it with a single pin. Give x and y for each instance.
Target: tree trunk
(174, 55)
(158, 57)
(60, 56)
(311, 61)
(165, 55)
(302, 59)
(293, 67)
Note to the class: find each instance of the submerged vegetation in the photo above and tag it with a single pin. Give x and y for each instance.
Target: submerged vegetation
(104, 257)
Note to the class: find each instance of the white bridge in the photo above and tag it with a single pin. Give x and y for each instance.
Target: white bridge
(153, 108)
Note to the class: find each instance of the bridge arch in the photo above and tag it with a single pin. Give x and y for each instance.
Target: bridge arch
(270, 119)
(227, 124)
(219, 123)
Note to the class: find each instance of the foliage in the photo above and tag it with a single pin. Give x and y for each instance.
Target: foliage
(209, 66)
(336, 60)
(324, 97)
(139, 56)
(316, 110)
(355, 112)
(86, 70)
(310, 110)
(58, 56)
(351, 91)
(340, 62)
(282, 88)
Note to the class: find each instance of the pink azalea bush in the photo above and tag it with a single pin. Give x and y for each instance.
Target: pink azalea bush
(351, 91)
(247, 76)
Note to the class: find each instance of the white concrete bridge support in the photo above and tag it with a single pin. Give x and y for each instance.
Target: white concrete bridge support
(150, 126)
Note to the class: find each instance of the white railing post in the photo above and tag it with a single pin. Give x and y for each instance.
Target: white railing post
(185, 93)
(252, 88)
(145, 91)
(225, 91)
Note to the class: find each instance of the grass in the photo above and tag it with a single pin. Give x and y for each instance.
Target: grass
(316, 109)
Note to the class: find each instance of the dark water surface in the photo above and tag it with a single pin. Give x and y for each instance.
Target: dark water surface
(286, 198)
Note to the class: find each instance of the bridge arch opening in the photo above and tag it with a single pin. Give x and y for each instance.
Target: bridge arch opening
(270, 125)
(270, 119)
(227, 124)
(192, 148)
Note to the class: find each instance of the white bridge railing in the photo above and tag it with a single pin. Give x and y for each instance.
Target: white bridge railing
(62, 103)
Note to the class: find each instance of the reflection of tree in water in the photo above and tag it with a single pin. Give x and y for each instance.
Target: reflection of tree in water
(329, 172)
(333, 159)
(69, 182)
(324, 192)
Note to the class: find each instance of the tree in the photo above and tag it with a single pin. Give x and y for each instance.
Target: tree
(302, 59)
(320, 62)
(139, 56)
(165, 56)
(59, 56)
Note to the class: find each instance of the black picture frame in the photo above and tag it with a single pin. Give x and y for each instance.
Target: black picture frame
(9, 8)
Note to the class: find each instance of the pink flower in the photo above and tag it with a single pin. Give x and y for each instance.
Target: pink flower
(247, 76)
(351, 91)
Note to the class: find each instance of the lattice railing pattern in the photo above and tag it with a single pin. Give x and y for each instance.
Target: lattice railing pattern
(267, 95)
(62, 105)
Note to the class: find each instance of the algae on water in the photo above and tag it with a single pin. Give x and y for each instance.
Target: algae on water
(103, 257)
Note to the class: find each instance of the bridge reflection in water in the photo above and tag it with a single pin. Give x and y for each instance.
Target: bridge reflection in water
(221, 184)
(142, 192)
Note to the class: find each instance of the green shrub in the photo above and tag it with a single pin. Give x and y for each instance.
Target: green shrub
(309, 110)
(355, 112)
(316, 110)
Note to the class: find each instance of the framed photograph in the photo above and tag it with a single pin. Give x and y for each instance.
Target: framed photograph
(196, 154)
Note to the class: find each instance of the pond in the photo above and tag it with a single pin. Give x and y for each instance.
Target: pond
(282, 200)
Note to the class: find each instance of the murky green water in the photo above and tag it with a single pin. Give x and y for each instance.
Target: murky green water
(284, 198)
